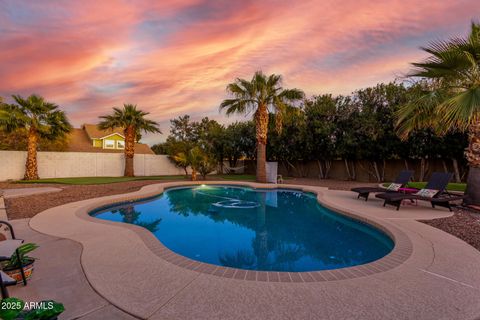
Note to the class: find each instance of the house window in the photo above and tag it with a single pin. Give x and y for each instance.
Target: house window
(109, 144)
(120, 144)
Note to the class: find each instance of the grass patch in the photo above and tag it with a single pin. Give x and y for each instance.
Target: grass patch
(235, 177)
(420, 185)
(451, 186)
(101, 180)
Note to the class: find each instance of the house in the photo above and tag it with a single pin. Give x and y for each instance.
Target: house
(89, 138)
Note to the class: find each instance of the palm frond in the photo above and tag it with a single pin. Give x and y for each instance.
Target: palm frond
(462, 109)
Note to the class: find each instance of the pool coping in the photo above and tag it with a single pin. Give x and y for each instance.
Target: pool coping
(401, 251)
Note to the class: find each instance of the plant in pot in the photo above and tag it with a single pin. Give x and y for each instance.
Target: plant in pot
(10, 267)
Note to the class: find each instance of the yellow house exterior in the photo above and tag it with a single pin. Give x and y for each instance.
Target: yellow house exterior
(89, 138)
(113, 141)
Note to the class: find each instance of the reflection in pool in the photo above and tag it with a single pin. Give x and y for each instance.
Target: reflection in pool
(255, 229)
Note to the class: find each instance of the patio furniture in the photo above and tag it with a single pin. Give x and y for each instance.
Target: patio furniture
(402, 179)
(434, 192)
(6, 281)
(7, 249)
(279, 178)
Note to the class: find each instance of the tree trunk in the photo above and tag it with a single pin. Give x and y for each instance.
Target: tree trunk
(31, 168)
(130, 135)
(456, 171)
(320, 169)
(194, 174)
(261, 127)
(377, 173)
(328, 166)
(423, 169)
(473, 187)
(348, 170)
(354, 174)
(473, 156)
(261, 163)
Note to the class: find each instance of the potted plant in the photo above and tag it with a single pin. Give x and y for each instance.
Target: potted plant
(10, 267)
(14, 309)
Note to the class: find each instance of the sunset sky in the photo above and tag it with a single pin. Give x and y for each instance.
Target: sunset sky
(176, 57)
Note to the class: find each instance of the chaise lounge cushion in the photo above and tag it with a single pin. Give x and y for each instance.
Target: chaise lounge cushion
(394, 186)
(427, 193)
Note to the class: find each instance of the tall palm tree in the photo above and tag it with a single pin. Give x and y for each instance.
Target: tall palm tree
(40, 119)
(133, 122)
(260, 96)
(453, 99)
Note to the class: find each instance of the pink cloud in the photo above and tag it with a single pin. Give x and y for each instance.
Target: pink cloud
(176, 57)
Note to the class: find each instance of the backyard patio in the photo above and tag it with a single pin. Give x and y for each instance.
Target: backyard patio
(105, 270)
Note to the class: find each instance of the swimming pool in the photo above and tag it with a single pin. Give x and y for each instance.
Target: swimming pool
(253, 229)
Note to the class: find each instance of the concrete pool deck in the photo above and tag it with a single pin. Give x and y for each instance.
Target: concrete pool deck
(437, 279)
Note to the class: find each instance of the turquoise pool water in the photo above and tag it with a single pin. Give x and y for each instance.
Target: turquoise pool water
(254, 229)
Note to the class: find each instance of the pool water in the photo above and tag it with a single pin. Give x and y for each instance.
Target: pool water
(254, 229)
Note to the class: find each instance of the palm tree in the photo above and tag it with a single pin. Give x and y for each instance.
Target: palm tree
(193, 158)
(453, 97)
(40, 119)
(260, 96)
(133, 123)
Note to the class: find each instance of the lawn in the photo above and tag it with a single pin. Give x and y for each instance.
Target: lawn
(106, 180)
(101, 180)
(451, 186)
(234, 177)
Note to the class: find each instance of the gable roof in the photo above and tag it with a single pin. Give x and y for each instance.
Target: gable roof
(94, 132)
(79, 141)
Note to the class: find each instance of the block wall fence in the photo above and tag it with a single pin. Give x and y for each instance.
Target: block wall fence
(84, 164)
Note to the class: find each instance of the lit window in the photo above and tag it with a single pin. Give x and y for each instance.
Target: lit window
(120, 144)
(109, 144)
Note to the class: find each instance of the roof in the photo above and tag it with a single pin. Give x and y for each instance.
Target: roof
(79, 141)
(94, 133)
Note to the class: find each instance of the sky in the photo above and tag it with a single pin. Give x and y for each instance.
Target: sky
(176, 57)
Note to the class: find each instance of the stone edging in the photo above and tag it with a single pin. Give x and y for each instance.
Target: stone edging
(400, 253)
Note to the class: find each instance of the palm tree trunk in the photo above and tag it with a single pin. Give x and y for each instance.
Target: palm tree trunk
(129, 151)
(261, 127)
(31, 167)
(194, 174)
(473, 157)
(456, 171)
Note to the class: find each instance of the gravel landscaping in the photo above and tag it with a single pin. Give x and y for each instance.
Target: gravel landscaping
(464, 224)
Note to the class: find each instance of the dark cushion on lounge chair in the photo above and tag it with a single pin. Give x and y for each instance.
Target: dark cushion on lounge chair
(368, 189)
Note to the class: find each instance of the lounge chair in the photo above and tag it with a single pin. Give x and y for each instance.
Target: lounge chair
(7, 249)
(402, 179)
(434, 192)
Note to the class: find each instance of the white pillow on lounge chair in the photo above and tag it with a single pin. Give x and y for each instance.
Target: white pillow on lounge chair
(427, 193)
(394, 186)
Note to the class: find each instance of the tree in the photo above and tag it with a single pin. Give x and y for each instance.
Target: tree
(40, 119)
(290, 146)
(454, 98)
(133, 122)
(239, 142)
(321, 118)
(196, 159)
(260, 96)
(160, 148)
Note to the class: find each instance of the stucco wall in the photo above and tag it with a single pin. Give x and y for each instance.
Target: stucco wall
(83, 164)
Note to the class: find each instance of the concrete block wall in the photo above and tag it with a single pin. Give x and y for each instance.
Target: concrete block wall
(84, 164)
